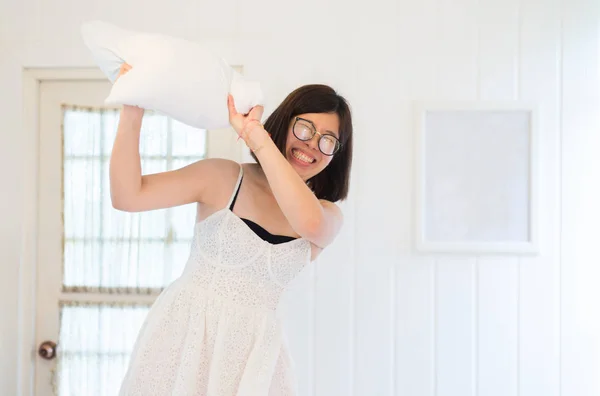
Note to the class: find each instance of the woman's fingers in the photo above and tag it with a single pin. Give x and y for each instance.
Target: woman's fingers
(256, 112)
(231, 106)
(242, 123)
(235, 119)
(125, 67)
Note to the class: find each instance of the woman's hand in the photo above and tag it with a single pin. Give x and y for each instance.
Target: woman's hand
(136, 111)
(125, 67)
(247, 126)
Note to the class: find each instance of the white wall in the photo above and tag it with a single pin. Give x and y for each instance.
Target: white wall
(374, 318)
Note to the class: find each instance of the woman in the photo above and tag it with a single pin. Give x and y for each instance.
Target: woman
(214, 330)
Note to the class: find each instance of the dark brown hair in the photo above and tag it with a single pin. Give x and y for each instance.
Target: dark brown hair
(331, 183)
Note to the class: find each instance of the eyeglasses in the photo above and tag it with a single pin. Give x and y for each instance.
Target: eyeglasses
(305, 130)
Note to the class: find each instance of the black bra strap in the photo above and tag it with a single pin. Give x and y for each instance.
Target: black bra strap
(236, 194)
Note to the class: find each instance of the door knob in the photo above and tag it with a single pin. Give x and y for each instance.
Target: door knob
(47, 350)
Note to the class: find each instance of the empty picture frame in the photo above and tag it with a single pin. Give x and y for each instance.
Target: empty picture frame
(476, 176)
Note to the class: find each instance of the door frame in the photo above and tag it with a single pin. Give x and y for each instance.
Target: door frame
(32, 78)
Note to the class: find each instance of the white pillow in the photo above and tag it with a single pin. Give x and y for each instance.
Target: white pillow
(176, 77)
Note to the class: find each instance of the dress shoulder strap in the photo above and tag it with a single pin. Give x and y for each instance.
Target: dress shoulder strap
(236, 190)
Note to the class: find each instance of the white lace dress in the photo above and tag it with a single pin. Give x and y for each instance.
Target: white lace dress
(214, 331)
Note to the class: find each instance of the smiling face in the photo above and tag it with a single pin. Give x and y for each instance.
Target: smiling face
(326, 118)
(305, 156)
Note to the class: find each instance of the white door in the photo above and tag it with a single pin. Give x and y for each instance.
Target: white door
(98, 269)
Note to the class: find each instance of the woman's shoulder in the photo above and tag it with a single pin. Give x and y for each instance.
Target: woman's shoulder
(226, 172)
(215, 172)
(219, 176)
(221, 167)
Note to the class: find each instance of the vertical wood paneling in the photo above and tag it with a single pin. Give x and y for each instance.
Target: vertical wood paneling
(374, 342)
(377, 245)
(455, 302)
(334, 312)
(373, 324)
(454, 327)
(376, 261)
(580, 270)
(415, 361)
(497, 277)
(539, 288)
(497, 313)
(456, 50)
(416, 80)
(298, 314)
(498, 49)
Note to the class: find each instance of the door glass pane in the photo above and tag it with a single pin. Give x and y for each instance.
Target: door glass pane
(82, 197)
(120, 264)
(155, 135)
(82, 144)
(124, 225)
(95, 343)
(105, 248)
